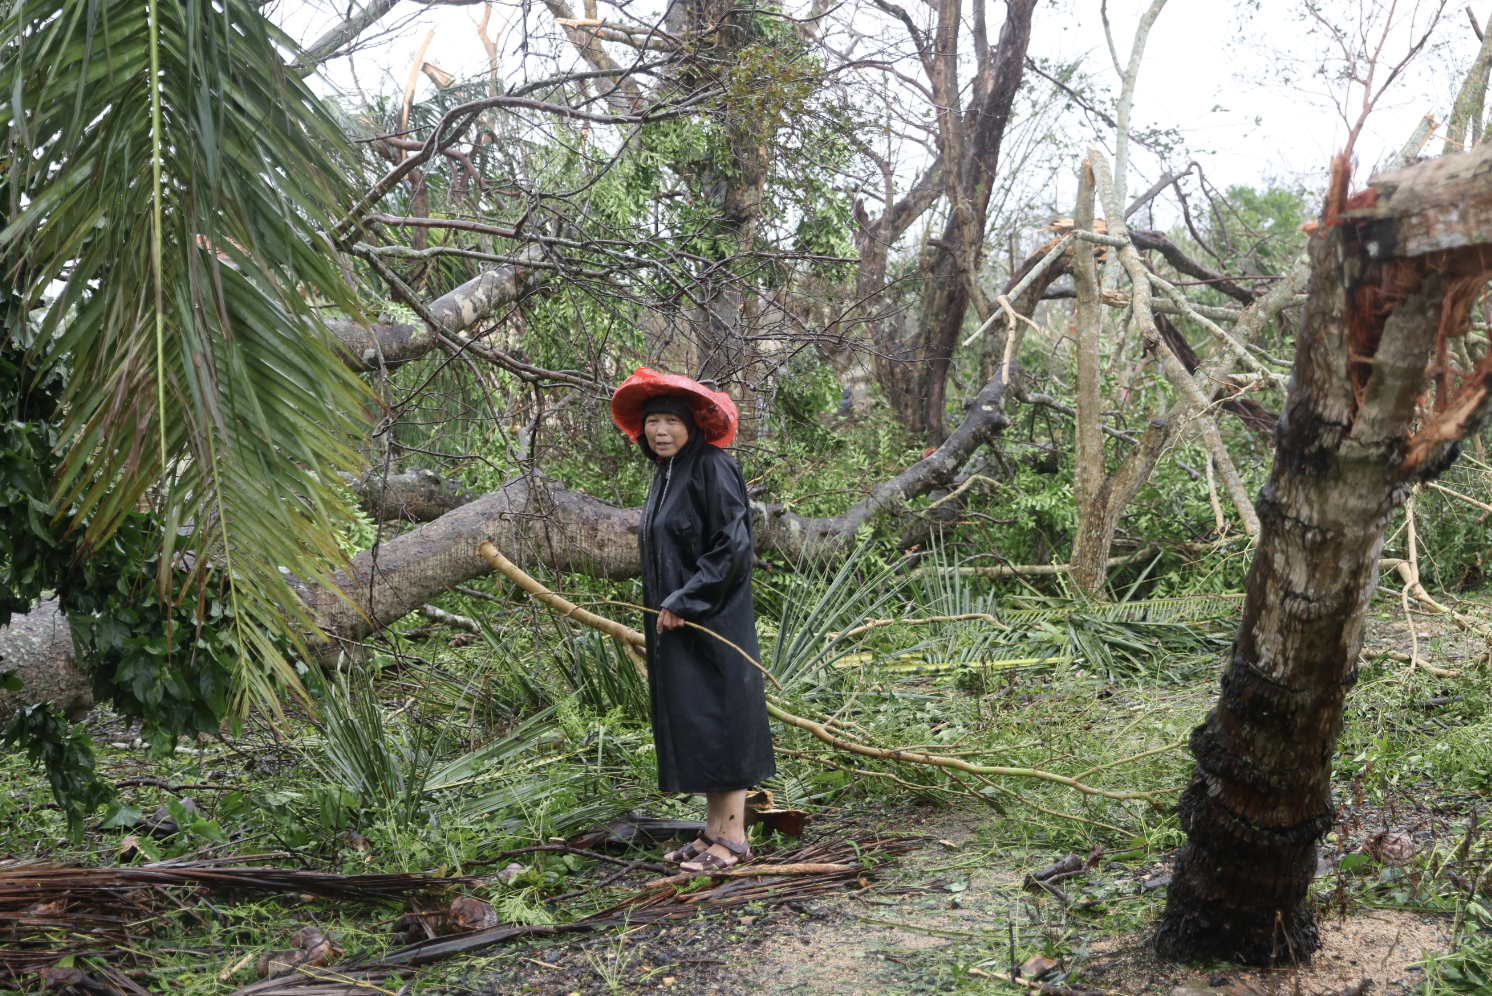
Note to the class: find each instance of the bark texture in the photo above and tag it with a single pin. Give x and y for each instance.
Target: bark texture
(414, 496)
(1088, 469)
(1394, 271)
(361, 344)
(914, 372)
(38, 646)
(472, 302)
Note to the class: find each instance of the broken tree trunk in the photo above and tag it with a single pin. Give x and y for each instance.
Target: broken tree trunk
(1098, 519)
(1088, 455)
(1374, 407)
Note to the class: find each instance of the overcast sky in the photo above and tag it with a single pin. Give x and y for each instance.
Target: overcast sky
(1235, 78)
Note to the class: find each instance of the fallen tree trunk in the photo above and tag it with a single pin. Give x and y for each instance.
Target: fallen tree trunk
(536, 522)
(414, 496)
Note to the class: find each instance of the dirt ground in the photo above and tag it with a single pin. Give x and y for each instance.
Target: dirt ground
(929, 926)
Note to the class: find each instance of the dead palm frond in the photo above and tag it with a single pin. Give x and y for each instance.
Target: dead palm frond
(180, 224)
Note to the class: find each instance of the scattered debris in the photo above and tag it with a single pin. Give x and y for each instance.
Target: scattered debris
(1390, 847)
(1038, 966)
(309, 946)
(55, 911)
(468, 913)
(761, 809)
(654, 903)
(1047, 878)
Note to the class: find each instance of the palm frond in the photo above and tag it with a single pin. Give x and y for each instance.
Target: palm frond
(1188, 608)
(810, 630)
(255, 414)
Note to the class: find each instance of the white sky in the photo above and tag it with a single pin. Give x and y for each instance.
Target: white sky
(1219, 71)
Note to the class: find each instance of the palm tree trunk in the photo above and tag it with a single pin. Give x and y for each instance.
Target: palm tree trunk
(1359, 429)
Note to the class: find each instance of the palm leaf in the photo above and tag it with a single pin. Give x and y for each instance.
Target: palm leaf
(239, 439)
(1187, 608)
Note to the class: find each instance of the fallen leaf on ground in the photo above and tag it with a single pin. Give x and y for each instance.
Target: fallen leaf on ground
(1390, 847)
(1037, 966)
(470, 913)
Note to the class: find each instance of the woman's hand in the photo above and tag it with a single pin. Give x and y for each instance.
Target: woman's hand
(669, 620)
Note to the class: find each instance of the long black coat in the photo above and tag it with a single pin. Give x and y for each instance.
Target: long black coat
(709, 711)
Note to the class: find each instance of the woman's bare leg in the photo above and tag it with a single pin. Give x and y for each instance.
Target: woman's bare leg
(725, 816)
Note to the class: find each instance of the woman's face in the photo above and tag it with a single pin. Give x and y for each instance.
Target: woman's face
(666, 434)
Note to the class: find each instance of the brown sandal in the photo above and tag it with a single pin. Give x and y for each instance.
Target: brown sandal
(713, 862)
(689, 851)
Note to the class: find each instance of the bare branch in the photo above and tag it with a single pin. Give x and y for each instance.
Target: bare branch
(1467, 109)
(332, 42)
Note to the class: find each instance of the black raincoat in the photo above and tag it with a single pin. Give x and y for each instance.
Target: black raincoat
(709, 711)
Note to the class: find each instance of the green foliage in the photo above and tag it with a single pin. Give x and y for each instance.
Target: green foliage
(1467, 967)
(605, 678)
(1264, 223)
(378, 767)
(165, 660)
(162, 660)
(67, 753)
(768, 84)
(806, 393)
(33, 555)
(221, 399)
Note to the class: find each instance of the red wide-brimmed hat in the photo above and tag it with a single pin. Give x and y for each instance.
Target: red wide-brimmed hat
(714, 412)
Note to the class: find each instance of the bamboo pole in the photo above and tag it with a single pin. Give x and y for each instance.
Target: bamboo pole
(630, 637)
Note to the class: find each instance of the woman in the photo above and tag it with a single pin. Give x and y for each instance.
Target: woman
(708, 704)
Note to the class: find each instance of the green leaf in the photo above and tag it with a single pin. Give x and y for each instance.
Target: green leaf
(208, 830)
(233, 804)
(67, 754)
(11, 682)
(1350, 862)
(258, 414)
(120, 815)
